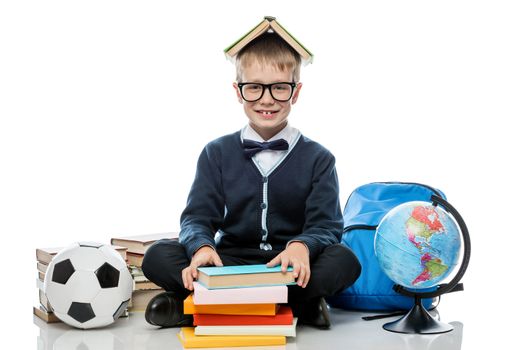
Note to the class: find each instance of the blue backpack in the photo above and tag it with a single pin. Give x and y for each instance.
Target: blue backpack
(366, 206)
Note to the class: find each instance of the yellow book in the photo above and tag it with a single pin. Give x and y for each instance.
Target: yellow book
(229, 309)
(190, 340)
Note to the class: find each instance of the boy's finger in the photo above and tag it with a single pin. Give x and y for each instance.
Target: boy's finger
(300, 274)
(284, 263)
(306, 280)
(274, 262)
(304, 277)
(307, 275)
(296, 270)
(186, 277)
(217, 261)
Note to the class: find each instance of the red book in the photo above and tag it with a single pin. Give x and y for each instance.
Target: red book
(284, 316)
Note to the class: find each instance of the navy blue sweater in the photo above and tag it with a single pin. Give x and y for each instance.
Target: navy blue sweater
(298, 200)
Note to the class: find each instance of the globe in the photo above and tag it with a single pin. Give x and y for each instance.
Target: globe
(417, 244)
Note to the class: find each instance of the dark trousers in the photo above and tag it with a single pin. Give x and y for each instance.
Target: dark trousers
(335, 269)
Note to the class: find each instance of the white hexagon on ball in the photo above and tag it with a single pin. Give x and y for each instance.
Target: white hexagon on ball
(88, 285)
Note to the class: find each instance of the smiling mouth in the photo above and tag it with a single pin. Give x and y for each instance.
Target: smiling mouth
(267, 113)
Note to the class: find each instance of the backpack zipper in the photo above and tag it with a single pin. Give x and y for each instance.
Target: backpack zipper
(359, 227)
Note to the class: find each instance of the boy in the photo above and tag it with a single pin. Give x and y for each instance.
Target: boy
(265, 194)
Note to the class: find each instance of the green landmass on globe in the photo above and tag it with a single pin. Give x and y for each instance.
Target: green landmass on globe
(433, 268)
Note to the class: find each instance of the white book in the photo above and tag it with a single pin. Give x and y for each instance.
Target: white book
(285, 330)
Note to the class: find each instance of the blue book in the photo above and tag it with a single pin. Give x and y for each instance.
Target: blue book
(240, 276)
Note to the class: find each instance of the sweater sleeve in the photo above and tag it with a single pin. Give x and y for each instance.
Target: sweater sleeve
(323, 217)
(204, 212)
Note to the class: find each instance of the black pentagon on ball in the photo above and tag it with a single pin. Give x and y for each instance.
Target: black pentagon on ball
(82, 312)
(120, 309)
(63, 270)
(107, 276)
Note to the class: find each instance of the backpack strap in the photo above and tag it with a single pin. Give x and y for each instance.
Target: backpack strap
(377, 317)
(458, 288)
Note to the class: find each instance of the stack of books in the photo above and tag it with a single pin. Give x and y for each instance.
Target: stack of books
(143, 289)
(43, 258)
(239, 306)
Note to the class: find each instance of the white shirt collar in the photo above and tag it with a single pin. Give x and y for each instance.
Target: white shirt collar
(288, 133)
(267, 160)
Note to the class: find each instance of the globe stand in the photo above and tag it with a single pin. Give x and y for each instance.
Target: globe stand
(418, 321)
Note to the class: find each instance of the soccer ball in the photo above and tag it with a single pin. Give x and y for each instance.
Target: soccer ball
(88, 285)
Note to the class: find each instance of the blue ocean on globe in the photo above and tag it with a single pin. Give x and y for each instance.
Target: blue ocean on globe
(417, 244)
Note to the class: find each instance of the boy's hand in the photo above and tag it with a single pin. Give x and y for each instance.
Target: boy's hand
(204, 256)
(297, 255)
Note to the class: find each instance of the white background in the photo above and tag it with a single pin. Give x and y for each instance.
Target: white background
(105, 106)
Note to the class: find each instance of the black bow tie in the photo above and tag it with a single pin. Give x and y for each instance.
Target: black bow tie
(253, 147)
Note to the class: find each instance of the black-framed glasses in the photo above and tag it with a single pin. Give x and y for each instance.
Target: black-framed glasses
(281, 91)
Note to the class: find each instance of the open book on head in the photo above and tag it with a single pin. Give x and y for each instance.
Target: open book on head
(269, 24)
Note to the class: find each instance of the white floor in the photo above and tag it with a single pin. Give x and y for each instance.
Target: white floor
(348, 332)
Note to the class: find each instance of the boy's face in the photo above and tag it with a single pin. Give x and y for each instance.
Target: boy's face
(267, 124)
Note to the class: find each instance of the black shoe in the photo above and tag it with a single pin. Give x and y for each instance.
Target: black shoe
(314, 313)
(166, 310)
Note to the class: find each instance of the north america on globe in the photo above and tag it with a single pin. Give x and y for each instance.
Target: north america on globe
(420, 227)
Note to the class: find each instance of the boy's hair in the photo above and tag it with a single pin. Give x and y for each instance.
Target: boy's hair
(269, 48)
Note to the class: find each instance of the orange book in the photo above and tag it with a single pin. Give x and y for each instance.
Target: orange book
(229, 309)
(284, 316)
